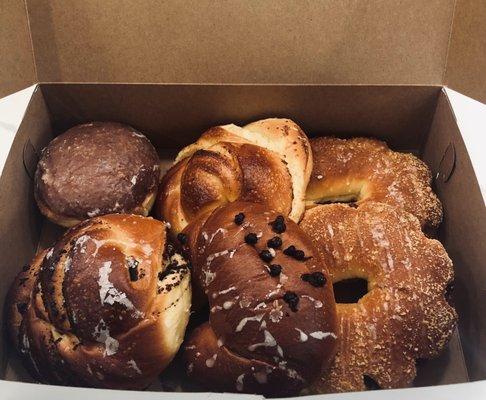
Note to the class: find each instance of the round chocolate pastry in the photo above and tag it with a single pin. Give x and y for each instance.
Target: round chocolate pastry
(361, 169)
(106, 307)
(267, 162)
(272, 323)
(402, 314)
(95, 169)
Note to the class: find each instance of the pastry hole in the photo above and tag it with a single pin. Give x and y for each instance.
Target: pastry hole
(370, 383)
(349, 291)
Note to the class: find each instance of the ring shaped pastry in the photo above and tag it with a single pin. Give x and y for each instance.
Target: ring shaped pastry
(95, 169)
(404, 315)
(267, 161)
(272, 313)
(363, 169)
(106, 307)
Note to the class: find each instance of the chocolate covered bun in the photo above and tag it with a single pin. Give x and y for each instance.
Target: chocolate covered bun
(95, 169)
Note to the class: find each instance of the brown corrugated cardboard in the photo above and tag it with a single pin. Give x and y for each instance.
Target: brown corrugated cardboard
(413, 118)
(17, 68)
(241, 41)
(285, 41)
(466, 65)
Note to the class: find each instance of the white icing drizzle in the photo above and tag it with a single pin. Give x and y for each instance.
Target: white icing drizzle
(302, 335)
(216, 294)
(219, 230)
(132, 364)
(243, 322)
(319, 335)
(228, 304)
(317, 303)
(102, 335)
(93, 213)
(239, 383)
(109, 294)
(268, 341)
(211, 361)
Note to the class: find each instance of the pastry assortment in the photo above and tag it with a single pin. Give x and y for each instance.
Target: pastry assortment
(256, 227)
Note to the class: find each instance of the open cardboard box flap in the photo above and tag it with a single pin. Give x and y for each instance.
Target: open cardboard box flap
(352, 42)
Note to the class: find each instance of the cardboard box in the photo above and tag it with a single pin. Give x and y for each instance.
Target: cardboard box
(356, 68)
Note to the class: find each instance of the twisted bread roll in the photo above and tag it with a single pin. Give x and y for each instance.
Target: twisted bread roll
(364, 170)
(106, 307)
(229, 163)
(404, 315)
(272, 324)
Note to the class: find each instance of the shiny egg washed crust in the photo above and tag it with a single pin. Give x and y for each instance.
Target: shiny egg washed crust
(95, 169)
(405, 315)
(255, 340)
(365, 169)
(78, 316)
(229, 163)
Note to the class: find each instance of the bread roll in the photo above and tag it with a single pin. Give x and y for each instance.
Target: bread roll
(106, 307)
(267, 161)
(272, 323)
(95, 169)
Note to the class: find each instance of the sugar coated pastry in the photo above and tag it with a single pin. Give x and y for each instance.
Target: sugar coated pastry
(404, 315)
(365, 169)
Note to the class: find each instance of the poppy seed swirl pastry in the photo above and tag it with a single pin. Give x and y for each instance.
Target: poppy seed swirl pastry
(96, 169)
(106, 307)
(272, 323)
(364, 169)
(404, 315)
(229, 163)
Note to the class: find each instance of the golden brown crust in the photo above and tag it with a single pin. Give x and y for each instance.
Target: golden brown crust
(404, 316)
(230, 163)
(255, 340)
(105, 307)
(364, 169)
(95, 169)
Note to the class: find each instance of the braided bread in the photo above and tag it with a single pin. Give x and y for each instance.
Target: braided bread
(364, 169)
(272, 315)
(230, 163)
(404, 315)
(107, 306)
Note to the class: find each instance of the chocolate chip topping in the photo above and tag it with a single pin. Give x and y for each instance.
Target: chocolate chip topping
(239, 218)
(316, 279)
(132, 268)
(251, 238)
(292, 300)
(266, 256)
(278, 225)
(299, 255)
(275, 270)
(182, 238)
(275, 242)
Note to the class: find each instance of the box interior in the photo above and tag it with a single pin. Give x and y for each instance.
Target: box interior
(320, 42)
(410, 118)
